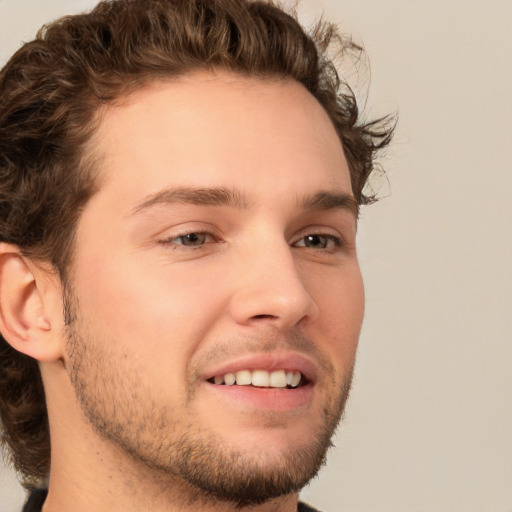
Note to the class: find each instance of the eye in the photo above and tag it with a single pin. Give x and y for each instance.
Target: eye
(190, 239)
(318, 241)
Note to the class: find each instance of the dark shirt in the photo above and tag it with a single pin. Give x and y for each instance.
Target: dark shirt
(37, 497)
(35, 500)
(305, 508)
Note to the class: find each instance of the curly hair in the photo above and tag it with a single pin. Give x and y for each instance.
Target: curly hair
(50, 94)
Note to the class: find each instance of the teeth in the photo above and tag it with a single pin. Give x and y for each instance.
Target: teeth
(278, 379)
(243, 378)
(296, 379)
(229, 379)
(260, 378)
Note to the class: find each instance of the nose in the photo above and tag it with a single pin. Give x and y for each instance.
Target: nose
(269, 287)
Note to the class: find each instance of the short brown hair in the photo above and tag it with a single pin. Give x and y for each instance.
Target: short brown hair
(50, 92)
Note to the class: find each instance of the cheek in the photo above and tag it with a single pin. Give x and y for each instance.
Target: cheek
(341, 309)
(151, 309)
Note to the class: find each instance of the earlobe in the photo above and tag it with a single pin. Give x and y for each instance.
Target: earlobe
(24, 321)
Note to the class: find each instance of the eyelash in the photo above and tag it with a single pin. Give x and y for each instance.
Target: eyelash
(170, 242)
(336, 240)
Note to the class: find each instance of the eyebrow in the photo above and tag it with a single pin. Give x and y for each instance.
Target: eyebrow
(192, 195)
(331, 201)
(233, 198)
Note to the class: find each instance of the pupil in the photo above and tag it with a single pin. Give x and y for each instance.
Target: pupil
(193, 239)
(314, 240)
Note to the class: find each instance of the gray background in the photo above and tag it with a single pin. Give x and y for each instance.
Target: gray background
(429, 424)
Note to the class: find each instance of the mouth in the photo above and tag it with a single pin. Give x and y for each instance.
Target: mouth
(277, 379)
(282, 381)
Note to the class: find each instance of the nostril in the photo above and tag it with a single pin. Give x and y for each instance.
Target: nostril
(264, 317)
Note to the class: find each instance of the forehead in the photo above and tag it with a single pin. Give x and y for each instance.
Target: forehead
(219, 129)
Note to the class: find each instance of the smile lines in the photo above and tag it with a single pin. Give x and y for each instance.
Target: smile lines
(260, 379)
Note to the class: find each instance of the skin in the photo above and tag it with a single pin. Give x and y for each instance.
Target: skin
(153, 318)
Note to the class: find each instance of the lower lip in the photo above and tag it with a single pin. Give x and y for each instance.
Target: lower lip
(273, 399)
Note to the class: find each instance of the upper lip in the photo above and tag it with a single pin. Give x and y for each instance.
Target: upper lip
(282, 360)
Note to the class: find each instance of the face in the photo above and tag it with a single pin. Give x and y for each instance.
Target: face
(216, 298)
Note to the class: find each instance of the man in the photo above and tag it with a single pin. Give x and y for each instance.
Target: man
(180, 297)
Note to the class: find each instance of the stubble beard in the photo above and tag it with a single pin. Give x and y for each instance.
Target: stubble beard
(123, 411)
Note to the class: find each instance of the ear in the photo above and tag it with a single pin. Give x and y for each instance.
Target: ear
(30, 319)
